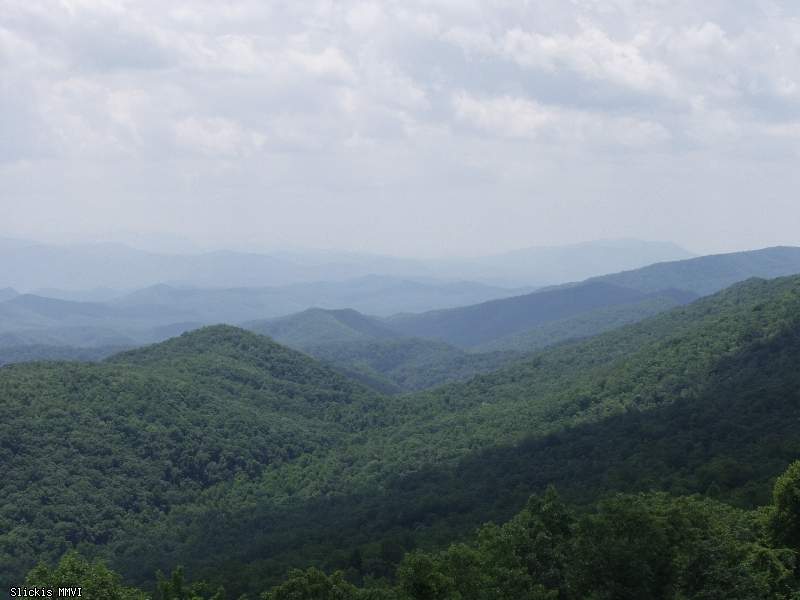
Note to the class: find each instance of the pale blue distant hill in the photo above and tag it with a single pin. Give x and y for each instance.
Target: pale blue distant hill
(29, 266)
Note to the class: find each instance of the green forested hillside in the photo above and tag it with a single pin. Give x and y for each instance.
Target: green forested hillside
(246, 458)
(522, 323)
(473, 325)
(626, 547)
(577, 310)
(680, 402)
(113, 446)
(154, 313)
(409, 364)
(366, 349)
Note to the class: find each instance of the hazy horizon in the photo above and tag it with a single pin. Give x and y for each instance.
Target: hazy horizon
(415, 129)
(176, 245)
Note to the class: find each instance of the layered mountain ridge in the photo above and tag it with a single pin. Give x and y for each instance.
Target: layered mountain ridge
(221, 445)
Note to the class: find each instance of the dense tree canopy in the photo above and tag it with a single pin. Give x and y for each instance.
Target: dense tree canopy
(626, 547)
(240, 459)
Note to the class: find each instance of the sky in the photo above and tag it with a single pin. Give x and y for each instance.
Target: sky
(414, 128)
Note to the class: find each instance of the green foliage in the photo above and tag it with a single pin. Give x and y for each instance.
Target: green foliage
(177, 588)
(625, 547)
(96, 581)
(408, 364)
(366, 349)
(785, 521)
(660, 547)
(109, 449)
(313, 584)
(240, 459)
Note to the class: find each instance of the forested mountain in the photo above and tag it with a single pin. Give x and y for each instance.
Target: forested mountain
(708, 274)
(481, 323)
(627, 547)
(408, 364)
(512, 325)
(239, 458)
(585, 324)
(498, 322)
(545, 265)
(577, 310)
(374, 295)
(700, 399)
(112, 447)
(156, 313)
(317, 327)
(368, 350)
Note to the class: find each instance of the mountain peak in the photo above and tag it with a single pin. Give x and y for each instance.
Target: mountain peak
(208, 339)
(234, 353)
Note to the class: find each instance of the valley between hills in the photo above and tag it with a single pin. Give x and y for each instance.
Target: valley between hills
(333, 454)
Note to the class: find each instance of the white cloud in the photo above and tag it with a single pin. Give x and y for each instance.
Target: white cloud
(592, 54)
(509, 117)
(364, 17)
(330, 63)
(217, 137)
(524, 119)
(435, 98)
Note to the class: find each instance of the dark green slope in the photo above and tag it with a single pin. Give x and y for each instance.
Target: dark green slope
(408, 364)
(625, 547)
(728, 439)
(708, 274)
(703, 398)
(474, 325)
(662, 359)
(239, 458)
(91, 451)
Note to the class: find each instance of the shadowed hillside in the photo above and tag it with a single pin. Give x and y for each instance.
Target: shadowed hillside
(221, 445)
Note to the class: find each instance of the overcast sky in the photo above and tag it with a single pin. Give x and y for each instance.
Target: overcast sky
(412, 127)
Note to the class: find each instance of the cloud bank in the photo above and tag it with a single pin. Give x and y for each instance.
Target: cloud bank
(415, 127)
